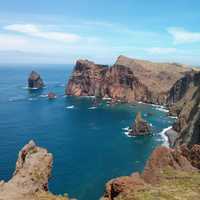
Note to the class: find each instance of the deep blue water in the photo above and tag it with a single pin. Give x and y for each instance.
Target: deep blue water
(89, 145)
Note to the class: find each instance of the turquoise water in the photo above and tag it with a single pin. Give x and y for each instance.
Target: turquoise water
(89, 145)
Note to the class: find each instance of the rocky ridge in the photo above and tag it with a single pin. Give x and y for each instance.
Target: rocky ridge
(30, 179)
(127, 80)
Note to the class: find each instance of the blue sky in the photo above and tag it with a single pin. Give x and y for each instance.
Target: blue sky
(49, 31)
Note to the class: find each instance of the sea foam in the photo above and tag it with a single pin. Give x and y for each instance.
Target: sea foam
(164, 137)
(70, 107)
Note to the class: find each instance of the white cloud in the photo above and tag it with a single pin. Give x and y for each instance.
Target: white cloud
(181, 36)
(10, 41)
(36, 31)
(159, 50)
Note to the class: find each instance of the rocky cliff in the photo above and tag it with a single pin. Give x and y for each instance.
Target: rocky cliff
(30, 179)
(127, 80)
(184, 101)
(168, 174)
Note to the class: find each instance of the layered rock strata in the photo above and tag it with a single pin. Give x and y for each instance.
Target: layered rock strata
(184, 101)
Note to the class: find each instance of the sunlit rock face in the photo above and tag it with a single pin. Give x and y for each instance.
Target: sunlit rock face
(30, 179)
(127, 80)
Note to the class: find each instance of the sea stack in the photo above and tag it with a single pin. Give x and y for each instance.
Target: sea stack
(140, 126)
(35, 81)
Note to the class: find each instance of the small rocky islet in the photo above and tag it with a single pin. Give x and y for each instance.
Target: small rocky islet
(170, 172)
(140, 127)
(35, 81)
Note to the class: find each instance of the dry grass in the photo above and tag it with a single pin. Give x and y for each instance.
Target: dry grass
(175, 185)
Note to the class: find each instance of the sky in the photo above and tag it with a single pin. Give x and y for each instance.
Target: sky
(62, 31)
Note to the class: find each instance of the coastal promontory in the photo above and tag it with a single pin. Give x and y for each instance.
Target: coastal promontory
(128, 80)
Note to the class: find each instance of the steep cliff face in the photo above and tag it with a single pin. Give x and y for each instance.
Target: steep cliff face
(86, 79)
(127, 80)
(30, 179)
(184, 100)
(167, 174)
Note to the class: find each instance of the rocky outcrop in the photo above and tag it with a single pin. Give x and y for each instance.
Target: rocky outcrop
(162, 169)
(51, 95)
(30, 179)
(140, 126)
(35, 81)
(127, 80)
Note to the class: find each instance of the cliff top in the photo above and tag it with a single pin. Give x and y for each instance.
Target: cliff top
(131, 62)
(156, 76)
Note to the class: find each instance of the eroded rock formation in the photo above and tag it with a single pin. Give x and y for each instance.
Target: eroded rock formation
(35, 81)
(140, 126)
(30, 179)
(127, 80)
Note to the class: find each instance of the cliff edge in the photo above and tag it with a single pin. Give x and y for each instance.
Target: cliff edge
(168, 174)
(30, 179)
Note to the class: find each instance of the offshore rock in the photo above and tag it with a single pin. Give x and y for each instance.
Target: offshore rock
(35, 81)
(140, 126)
(128, 80)
(51, 95)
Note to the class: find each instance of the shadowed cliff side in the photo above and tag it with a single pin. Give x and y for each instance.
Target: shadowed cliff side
(35, 81)
(30, 179)
(184, 100)
(127, 80)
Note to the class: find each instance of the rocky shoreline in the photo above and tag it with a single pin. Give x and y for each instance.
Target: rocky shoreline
(128, 80)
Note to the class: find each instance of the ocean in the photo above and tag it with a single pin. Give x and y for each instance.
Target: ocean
(89, 144)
